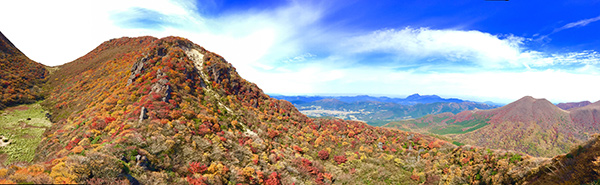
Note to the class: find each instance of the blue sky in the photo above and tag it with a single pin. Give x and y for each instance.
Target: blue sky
(479, 50)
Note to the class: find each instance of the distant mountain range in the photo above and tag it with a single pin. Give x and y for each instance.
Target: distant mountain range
(379, 110)
(410, 100)
(571, 105)
(530, 125)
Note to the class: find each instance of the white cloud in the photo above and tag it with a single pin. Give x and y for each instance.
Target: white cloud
(456, 46)
(275, 49)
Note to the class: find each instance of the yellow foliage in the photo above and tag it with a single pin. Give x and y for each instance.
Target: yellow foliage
(248, 171)
(3, 172)
(77, 149)
(425, 156)
(35, 169)
(5, 181)
(19, 177)
(398, 162)
(61, 174)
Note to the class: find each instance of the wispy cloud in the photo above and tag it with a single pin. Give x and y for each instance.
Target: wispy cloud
(580, 23)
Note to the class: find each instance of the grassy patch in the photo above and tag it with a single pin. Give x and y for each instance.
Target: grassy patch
(457, 128)
(25, 135)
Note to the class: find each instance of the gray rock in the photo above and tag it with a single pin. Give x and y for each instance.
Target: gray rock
(136, 69)
(143, 114)
(161, 87)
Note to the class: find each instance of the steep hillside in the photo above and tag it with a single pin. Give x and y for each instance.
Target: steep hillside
(167, 111)
(580, 165)
(571, 105)
(587, 118)
(533, 126)
(20, 77)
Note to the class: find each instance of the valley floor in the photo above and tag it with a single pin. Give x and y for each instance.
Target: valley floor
(21, 129)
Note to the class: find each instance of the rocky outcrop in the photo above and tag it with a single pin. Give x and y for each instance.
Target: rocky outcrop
(162, 86)
(136, 70)
(143, 114)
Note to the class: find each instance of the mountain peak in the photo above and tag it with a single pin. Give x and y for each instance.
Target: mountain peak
(527, 109)
(416, 95)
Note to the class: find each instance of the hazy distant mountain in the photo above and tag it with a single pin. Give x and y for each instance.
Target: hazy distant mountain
(571, 105)
(409, 100)
(379, 110)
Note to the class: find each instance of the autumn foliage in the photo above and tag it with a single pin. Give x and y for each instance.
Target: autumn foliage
(167, 111)
(20, 77)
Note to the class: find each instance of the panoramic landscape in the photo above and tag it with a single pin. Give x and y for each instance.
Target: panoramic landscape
(290, 92)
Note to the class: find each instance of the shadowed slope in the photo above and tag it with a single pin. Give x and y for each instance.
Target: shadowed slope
(20, 77)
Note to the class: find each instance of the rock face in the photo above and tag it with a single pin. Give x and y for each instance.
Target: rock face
(162, 86)
(136, 70)
(572, 105)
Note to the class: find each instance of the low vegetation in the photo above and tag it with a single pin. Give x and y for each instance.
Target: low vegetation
(23, 127)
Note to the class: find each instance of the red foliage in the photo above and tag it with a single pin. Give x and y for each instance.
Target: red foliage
(415, 177)
(272, 133)
(196, 181)
(273, 179)
(297, 149)
(323, 154)
(340, 159)
(72, 143)
(195, 167)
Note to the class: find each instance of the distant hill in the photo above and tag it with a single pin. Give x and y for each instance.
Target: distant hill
(571, 105)
(530, 125)
(379, 110)
(20, 77)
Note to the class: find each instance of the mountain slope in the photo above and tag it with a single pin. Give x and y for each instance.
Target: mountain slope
(20, 77)
(168, 109)
(533, 126)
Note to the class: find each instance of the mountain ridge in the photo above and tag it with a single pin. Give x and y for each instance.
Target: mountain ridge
(572, 105)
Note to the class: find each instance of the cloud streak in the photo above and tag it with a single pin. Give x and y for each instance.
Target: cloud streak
(580, 23)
